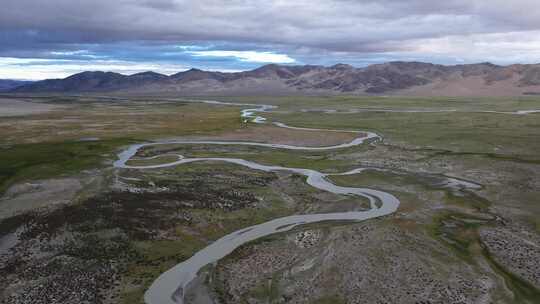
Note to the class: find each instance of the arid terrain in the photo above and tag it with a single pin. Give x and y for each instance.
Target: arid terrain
(76, 227)
(392, 78)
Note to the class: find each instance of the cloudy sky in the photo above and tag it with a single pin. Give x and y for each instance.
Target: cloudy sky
(55, 38)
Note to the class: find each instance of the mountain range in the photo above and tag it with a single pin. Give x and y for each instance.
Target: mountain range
(397, 78)
(9, 84)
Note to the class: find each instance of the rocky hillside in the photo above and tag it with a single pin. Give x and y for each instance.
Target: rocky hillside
(8, 84)
(406, 78)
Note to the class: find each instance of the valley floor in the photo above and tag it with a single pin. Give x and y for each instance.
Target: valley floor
(74, 229)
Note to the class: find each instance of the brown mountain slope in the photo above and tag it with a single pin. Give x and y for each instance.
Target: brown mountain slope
(405, 78)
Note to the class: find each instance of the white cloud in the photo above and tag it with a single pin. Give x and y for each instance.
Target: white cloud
(71, 53)
(503, 48)
(26, 61)
(191, 47)
(79, 53)
(247, 56)
(38, 69)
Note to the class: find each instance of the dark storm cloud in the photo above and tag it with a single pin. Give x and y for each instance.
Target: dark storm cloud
(310, 31)
(338, 25)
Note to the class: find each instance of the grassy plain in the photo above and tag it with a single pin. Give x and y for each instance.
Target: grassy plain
(158, 218)
(88, 132)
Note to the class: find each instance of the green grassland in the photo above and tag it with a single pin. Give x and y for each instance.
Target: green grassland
(142, 119)
(318, 160)
(49, 145)
(465, 131)
(393, 102)
(45, 160)
(53, 144)
(489, 133)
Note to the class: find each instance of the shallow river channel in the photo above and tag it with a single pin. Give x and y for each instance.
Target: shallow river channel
(171, 286)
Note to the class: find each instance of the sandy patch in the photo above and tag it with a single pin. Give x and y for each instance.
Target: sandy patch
(27, 196)
(15, 107)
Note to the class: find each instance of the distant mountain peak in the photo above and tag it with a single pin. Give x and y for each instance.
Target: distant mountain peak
(270, 66)
(396, 76)
(149, 73)
(88, 74)
(10, 84)
(342, 66)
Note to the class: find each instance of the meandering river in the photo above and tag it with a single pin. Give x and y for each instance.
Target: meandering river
(171, 286)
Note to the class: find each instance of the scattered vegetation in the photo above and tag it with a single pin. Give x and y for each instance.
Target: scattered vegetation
(462, 131)
(46, 160)
(162, 217)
